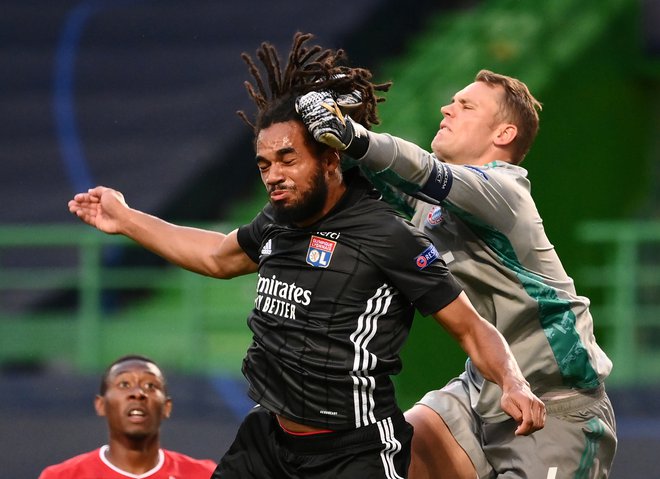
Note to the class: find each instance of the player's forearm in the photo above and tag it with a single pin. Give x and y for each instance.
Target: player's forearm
(401, 158)
(492, 356)
(484, 344)
(404, 165)
(190, 248)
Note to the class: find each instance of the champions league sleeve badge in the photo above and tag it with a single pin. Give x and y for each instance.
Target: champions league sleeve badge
(320, 252)
(428, 256)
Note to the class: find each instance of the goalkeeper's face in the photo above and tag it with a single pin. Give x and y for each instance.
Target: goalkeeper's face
(294, 173)
(471, 132)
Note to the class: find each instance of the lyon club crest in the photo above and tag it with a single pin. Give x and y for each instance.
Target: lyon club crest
(320, 251)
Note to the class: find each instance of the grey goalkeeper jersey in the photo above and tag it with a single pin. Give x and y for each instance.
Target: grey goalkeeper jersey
(486, 226)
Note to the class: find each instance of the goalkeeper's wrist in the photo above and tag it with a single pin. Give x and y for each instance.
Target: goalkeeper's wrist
(359, 139)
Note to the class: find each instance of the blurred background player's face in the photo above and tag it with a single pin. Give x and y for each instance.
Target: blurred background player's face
(292, 173)
(135, 401)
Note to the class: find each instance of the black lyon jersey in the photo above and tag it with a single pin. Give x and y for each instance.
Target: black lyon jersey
(333, 308)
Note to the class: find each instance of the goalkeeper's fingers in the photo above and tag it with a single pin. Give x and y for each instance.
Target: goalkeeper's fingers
(333, 108)
(349, 101)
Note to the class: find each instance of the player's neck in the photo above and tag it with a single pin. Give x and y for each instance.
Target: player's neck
(134, 459)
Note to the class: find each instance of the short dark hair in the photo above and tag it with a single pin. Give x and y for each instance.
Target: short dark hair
(129, 357)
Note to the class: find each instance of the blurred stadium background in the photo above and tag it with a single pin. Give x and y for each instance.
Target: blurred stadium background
(141, 96)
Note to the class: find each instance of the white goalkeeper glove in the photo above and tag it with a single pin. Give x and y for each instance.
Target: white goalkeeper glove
(322, 115)
(349, 101)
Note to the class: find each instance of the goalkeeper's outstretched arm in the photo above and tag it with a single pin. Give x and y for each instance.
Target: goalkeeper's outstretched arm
(398, 162)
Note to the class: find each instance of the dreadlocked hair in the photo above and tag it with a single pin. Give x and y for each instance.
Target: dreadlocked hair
(309, 68)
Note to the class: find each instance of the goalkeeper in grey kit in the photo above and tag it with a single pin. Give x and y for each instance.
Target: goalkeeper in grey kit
(473, 199)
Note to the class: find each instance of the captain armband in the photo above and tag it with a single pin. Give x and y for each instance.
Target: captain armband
(437, 187)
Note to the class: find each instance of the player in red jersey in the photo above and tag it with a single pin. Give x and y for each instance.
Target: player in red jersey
(133, 399)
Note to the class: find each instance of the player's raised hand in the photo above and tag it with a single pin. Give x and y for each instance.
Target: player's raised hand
(522, 405)
(100, 207)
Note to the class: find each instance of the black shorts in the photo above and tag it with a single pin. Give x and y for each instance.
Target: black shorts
(263, 450)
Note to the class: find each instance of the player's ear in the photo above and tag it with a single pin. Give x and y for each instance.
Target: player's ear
(99, 405)
(332, 158)
(167, 408)
(506, 133)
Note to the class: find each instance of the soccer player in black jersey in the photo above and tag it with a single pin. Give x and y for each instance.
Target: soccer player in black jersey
(339, 277)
